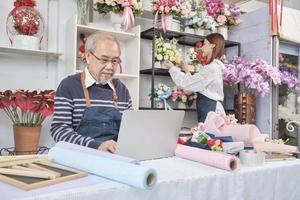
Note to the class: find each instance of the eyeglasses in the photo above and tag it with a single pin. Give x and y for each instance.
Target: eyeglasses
(105, 61)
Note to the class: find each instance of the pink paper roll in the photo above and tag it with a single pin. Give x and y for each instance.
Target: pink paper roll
(274, 148)
(241, 133)
(211, 158)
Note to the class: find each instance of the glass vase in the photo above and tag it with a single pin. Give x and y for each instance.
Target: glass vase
(82, 11)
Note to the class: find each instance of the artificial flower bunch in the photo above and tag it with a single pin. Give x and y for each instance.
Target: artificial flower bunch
(128, 8)
(255, 75)
(180, 95)
(118, 6)
(26, 20)
(166, 49)
(81, 49)
(229, 16)
(169, 7)
(223, 14)
(27, 108)
(196, 56)
(213, 144)
(200, 19)
(162, 92)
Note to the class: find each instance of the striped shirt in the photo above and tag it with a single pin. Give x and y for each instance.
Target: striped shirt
(70, 104)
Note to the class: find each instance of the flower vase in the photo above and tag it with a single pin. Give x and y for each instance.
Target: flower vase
(159, 103)
(26, 42)
(223, 30)
(26, 139)
(172, 24)
(200, 31)
(116, 20)
(25, 28)
(244, 108)
(181, 105)
(82, 11)
(189, 30)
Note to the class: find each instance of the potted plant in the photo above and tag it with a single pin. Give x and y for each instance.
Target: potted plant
(248, 78)
(27, 110)
(122, 12)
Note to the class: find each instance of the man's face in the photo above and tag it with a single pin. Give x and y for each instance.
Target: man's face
(103, 62)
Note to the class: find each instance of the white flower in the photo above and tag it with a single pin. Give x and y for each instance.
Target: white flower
(167, 45)
(159, 57)
(172, 59)
(166, 57)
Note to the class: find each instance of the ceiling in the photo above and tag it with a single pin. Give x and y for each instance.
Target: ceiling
(251, 5)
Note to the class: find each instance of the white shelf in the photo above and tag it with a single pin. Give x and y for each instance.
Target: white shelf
(29, 52)
(118, 75)
(92, 27)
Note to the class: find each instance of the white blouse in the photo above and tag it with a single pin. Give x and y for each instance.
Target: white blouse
(208, 81)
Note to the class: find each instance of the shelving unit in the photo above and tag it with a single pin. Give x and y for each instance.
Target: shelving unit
(186, 39)
(130, 53)
(11, 50)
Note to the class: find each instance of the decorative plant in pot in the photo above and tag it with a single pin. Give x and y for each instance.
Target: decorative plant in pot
(27, 110)
(166, 49)
(248, 78)
(183, 98)
(122, 12)
(25, 25)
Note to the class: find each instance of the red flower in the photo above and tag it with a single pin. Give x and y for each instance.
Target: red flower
(199, 44)
(82, 48)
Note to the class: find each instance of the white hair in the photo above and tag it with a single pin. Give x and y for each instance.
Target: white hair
(90, 43)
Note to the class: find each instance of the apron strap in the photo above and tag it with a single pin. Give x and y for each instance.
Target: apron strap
(115, 96)
(87, 96)
(85, 91)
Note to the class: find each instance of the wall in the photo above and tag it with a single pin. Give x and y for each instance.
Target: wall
(256, 43)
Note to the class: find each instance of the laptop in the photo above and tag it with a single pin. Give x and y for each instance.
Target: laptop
(149, 134)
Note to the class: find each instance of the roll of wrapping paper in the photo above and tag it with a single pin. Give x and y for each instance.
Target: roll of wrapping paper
(274, 148)
(211, 158)
(252, 158)
(90, 151)
(127, 173)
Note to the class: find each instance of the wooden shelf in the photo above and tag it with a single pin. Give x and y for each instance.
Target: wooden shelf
(12, 50)
(92, 27)
(183, 38)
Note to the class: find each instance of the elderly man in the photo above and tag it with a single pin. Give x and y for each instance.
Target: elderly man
(88, 106)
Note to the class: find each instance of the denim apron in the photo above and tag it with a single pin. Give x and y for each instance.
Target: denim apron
(99, 123)
(204, 105)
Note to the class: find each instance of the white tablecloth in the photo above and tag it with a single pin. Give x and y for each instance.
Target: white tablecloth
(180, 179)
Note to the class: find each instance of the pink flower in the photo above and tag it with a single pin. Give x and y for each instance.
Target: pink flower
(221, 19)
(167, 9)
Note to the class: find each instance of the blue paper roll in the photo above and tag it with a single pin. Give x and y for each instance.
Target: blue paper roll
(131, 174)
(90, 151)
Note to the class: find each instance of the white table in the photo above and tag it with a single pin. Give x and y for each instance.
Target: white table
(180, 179)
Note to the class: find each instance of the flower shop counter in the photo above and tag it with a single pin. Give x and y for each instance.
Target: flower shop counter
(180, 179)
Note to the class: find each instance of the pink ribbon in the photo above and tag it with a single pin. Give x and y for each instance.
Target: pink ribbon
(128, 17)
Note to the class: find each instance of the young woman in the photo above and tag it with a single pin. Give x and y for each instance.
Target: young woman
(208, 82)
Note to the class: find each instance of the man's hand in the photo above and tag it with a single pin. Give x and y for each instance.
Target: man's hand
(109, 146)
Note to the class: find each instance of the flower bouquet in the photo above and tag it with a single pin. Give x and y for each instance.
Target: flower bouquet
(166, 49)
(196, 57)
(162, 92)
(27, 111)
(25, 25)
(129, 9)
(183, 97)
(253, 76)
(163, 8)
(199, 20)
